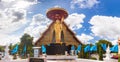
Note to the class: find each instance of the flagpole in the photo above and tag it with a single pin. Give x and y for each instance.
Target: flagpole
(26, 51)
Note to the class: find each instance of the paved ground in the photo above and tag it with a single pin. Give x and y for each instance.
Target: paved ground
(77, 60)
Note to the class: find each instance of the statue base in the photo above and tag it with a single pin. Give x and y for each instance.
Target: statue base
(56, 49)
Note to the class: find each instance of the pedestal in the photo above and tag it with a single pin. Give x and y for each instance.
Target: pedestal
(56, 49)
(36, 51)
(36, 57)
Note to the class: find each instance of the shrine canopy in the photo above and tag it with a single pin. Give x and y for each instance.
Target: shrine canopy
(56, 13)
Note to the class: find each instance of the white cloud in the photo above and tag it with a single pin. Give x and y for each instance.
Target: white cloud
(75, 20)
(114, 42)
(84, 38)
(37, 26)
(25, 3)
(84, 3)
(106, 27)
(12, 18)
(21, 4)
(6, 39)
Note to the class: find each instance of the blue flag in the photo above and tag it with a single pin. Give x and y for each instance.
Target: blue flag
(43, 49)
(114, 48)
(24, 50)
(87, 48)
(103, 47)
(15, 50)
(73, 47)
(79, 48)
(93, 48)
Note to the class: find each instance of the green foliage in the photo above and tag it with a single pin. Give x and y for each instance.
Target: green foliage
(104, 42)
(93, 58)
(82, 54)
(87, 54)
(118, 59)
(14, 56)
(27, 40)
(100, 51)
(1, 48)
(11, 47)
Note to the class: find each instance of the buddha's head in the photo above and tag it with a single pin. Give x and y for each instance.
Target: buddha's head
(57, 21)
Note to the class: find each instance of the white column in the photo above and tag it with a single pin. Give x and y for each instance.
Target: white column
(36, 51)
(72, 52)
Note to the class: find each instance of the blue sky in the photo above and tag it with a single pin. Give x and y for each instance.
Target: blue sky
(93, 19)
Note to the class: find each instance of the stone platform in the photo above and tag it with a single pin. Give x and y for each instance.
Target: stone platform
(77, 60)
(60, 57)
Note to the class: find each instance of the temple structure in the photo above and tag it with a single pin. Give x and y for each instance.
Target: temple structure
(58, 31)
(58, 35)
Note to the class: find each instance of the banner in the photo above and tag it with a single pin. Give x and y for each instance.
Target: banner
(15, 50)
(104, 46)
(43, 49)
(114, 48)
(87, 48)
(93, 48)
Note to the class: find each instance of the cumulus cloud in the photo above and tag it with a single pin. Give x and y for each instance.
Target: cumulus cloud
(84, 38)
(105, 26)
(25, 3)
(7, 39)
(16, 3)
(37, 26)
(84, 3)
(12, 18)
(114, 42)
(74, 21)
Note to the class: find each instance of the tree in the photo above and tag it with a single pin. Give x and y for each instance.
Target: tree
(82, 54)
(11, 47)
(102, 41)
(26, 40)
(1, 48)
(100, 51)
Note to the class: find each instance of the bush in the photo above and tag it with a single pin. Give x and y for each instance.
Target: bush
(23, 57)
(14, 57)
(118, 58)
(93, 58)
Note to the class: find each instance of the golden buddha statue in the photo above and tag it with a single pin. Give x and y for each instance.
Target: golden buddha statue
(58, 29)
